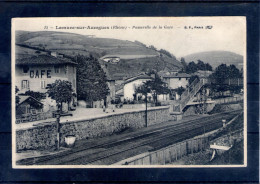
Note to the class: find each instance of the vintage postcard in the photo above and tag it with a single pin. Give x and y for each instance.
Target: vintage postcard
(127, 92)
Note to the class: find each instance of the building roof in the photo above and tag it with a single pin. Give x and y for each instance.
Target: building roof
(174, 75)
(109, 56)
(24, 98)
(43, 60)
(141, 76)
(203, 74)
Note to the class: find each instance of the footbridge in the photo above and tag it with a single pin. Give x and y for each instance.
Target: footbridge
(190, 96)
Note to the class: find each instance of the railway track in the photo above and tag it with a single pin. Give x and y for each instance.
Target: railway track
(157, 139)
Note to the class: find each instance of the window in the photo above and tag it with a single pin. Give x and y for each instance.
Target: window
(25, 84)
(25, 69)
(56, 69)
(43, 84)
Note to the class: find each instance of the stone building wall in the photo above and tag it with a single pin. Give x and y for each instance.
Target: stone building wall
(42, 137)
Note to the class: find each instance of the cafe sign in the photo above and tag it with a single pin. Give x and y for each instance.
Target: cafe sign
(40, 73)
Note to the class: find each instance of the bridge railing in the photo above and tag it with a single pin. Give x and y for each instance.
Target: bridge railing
(190, 92)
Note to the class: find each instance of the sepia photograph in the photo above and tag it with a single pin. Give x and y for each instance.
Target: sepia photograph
(129, 92)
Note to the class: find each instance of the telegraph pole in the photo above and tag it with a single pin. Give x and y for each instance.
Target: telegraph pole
(58, 116)
(58, 130)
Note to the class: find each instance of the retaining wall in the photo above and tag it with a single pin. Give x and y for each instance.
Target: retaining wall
(172, 153)
(176, 151)
(45, 136)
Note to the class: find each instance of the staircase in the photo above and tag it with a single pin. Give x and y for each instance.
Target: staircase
(188, 95)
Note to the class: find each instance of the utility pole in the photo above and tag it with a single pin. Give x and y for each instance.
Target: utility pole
(58, 115)
(58, 130)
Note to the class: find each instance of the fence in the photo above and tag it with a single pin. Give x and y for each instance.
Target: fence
(33, 117)
(172, 153)
(229, 100)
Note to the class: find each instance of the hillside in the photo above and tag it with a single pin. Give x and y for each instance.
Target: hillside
(71, 44)
(135, 56)
(215, 58)
(132, 67)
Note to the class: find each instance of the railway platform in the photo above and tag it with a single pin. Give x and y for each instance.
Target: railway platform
(126, 144)
(95, 141)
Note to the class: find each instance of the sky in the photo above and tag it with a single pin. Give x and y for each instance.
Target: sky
(201, 33)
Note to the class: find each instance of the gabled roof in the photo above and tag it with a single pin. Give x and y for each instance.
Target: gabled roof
(25, 98)
(43, 60)
(142, 76)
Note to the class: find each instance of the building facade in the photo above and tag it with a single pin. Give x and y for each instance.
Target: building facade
(36, 72)
(175, 80)
(131, 84)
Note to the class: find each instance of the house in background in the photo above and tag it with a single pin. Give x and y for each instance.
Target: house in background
(29, 109)
(36, 72)
(111, 59)
(132, 83)
(203, 75)
(174, 80)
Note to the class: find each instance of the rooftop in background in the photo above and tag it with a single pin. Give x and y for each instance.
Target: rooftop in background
(43, 60)
(204, 74)
(23, 98)
(166, 74)
(139, 76)
(130, 56)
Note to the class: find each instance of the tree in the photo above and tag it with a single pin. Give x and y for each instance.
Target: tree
(152, 47)
(191, 67)
(208, 67)
(91, 80)
(165, 52)
(234, 72)
(155, 87)
(61, 91)
(37, 95)
(219, 77)
(184, 64)
(192, 78)
(180, 90)
(200, 65)
(203, 66)
(221, 73)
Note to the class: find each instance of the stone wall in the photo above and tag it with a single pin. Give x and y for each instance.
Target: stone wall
(42, 137)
